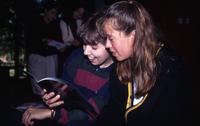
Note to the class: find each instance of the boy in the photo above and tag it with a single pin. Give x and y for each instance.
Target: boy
(90, 75)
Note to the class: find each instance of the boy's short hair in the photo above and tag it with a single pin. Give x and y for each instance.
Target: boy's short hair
(89, 31)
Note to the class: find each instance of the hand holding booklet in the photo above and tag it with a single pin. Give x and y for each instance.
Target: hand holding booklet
(72, 97)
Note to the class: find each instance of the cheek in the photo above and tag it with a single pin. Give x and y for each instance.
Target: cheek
(102, 55)
(129, 51)
(118, 46)
(124, 50)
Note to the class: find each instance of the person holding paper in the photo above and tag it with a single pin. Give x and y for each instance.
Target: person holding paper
(90, 75)
(42, 58)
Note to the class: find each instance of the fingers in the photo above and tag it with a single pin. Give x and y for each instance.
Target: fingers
(27, 117)
(54, 102)
(51, 100)
(48, 96)
(58, 103)
(32, 123)
(43, 92)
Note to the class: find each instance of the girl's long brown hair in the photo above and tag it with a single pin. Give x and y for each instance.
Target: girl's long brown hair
(141, 66)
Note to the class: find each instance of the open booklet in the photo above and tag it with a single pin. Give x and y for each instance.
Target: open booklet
(72, 97)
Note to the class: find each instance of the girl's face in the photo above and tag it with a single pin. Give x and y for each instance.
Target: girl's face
(97, 54)
(119, 44)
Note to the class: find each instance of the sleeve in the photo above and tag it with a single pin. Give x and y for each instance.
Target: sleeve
(177, 94)
(71, 63)
(61, 116)
(67, 35)
(170, 95)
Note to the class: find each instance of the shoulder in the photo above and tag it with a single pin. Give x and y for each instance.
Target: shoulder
(168, 60)
(63, 23)
(77, 52)
(171, 71)
(72, 63)
(76, 55)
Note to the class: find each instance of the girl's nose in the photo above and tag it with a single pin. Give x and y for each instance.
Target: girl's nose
(108, 44)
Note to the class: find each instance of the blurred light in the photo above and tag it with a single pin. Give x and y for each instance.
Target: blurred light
(11, 72)
(11, 10)
(39, 1)
(59, 15)
(10, 21)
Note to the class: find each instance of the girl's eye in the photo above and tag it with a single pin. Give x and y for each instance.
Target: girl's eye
(110, 39)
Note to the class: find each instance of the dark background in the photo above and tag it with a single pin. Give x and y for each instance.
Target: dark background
(176, 18)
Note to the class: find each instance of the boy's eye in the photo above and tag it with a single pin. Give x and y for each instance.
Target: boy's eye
(94, 47)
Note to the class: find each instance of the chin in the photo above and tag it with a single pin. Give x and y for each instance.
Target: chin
(95, 64)
(119, 58)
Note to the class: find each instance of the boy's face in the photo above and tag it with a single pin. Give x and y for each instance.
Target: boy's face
(97, 54)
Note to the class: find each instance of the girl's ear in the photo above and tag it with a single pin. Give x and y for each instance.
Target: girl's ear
(133, 34)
